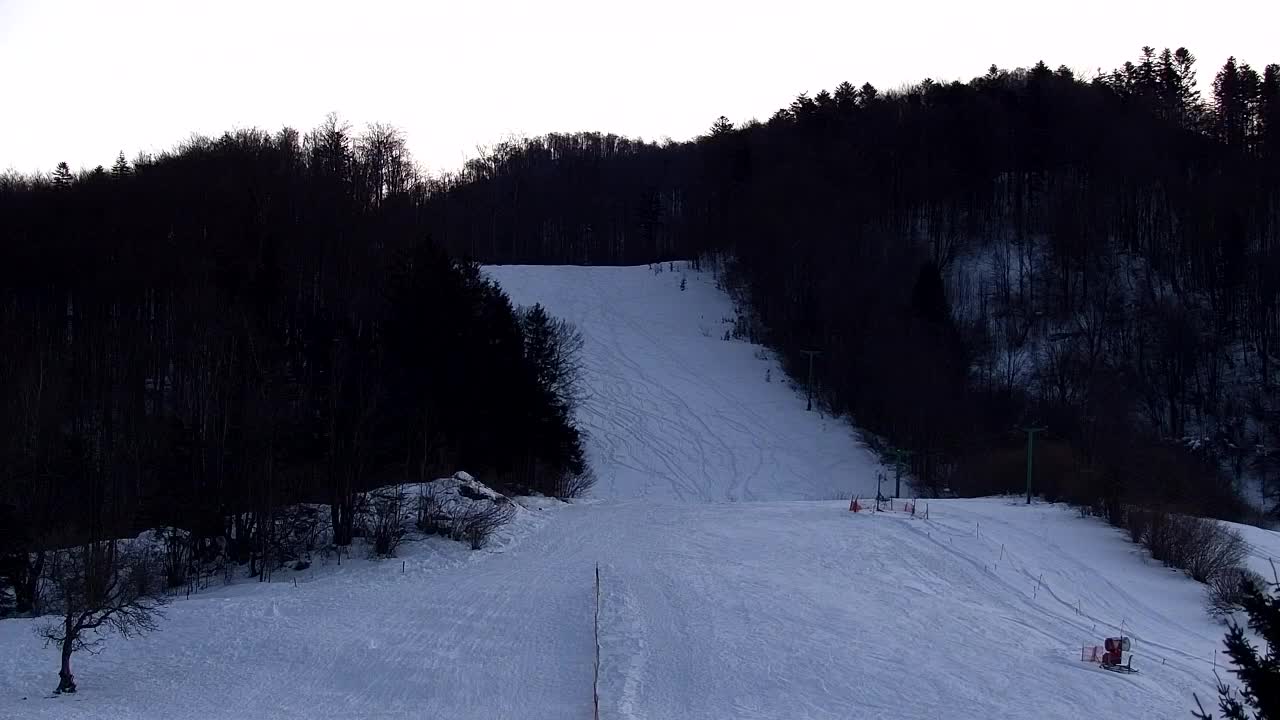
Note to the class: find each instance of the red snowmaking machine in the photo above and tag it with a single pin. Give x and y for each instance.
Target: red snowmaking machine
(1110, 655)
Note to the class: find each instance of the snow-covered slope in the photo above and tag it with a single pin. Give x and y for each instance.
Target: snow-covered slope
(722, 610)
(783, 608)
(674, 410)
(804, 610)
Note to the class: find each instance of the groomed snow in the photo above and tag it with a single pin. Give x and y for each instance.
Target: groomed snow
(676, 412)
(781, 608)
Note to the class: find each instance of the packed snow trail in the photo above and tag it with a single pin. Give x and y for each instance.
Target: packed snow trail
(716, 610)
(805, 610)
(721, 610)
(674, 411)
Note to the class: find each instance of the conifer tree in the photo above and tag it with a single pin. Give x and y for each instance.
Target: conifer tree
(1190, 110)
(846, 97)
(62, 178)
(121, 167)
(1269, 111)
(1146, 74)
(1257, 669)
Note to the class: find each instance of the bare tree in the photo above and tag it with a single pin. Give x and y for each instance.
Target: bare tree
(385, 162)
(389, 511)
(477, 521)
(566, 378)
(329, 147)
(98, 587)
(469, 515)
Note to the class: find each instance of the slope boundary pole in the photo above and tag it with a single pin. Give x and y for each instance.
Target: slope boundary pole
(595, 681)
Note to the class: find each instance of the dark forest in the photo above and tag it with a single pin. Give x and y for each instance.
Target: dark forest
(201, 339)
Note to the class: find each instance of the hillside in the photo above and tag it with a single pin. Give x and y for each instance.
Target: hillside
(711, 606)
(673, 409)
(1092, 252)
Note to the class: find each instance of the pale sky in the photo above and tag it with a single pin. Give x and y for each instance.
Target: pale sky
(82, 80)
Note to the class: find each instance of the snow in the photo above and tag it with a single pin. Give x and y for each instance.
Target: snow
(676, 412)
(711, 606)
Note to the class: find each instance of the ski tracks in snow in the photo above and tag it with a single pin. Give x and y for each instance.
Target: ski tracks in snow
(673, 411)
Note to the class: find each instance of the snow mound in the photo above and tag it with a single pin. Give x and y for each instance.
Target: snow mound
(463, 508)
(462, 488)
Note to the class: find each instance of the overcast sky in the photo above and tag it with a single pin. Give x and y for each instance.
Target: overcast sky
(81, 80)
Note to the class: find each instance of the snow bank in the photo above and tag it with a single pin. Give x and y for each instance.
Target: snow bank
(462, 508)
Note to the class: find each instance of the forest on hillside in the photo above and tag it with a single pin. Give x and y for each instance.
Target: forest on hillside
(201, 340)
(1099, 257)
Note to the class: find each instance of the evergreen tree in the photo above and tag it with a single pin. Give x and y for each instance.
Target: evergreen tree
(1146, 76)
(721, 127)
(121, 168)
(846, 97)
(1250, 89)
(1129, 84)
(1258, 670)
(62, 177)
(992, 79)
(803, 106)
(1189, 110)
(1229, 105)
(1269, 111)
(1171, 90)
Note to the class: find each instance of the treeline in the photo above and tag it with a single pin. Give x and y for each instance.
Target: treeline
(1098, 256)
(201, 338)
(582, 199)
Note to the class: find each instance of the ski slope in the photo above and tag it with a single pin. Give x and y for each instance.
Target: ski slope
(675, 412)
(729, 588)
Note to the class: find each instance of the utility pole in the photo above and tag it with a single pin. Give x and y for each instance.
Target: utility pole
(809, 386)
(1031, 439)
(899, 455)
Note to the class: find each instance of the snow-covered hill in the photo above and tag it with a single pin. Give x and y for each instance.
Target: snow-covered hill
(711, 607)
(674, 410)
